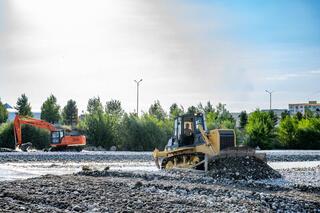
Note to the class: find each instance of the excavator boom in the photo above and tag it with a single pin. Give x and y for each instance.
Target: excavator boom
(19, 120)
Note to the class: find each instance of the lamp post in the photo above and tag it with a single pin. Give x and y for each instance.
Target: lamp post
(138, 83)
(270, 94)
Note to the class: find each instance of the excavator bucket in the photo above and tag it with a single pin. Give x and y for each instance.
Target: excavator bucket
(25, 146)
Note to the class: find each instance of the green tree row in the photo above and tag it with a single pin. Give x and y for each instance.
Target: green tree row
(108, 125)
(50, 110)
(262, 130)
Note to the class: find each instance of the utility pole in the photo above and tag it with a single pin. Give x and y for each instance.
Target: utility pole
(138, 83)
(270, 94)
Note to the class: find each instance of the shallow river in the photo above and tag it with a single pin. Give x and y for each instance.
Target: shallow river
(26, 169)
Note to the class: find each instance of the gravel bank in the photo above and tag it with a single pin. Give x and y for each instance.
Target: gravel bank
(84, 156)
(112, 191)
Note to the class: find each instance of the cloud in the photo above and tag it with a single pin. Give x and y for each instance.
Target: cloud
(287, 76)
(315, 72)
(184, 52)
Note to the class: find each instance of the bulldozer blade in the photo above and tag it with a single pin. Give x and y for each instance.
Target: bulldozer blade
(241, 151)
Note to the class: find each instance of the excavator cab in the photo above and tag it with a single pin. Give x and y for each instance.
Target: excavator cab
(56, 136)
(187, 131)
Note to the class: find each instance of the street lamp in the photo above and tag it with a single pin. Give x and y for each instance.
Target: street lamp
(138, 83)
(270, 94)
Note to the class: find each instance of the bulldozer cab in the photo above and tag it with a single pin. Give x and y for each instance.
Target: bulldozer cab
(186, 130)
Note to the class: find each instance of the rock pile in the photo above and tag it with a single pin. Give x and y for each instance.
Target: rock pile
(241, 168)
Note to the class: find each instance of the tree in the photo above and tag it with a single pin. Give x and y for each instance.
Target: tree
(308, 113)
(219, 118)
(70, 113)
(23, 106)
(273, 117)
(157, 110)
(260, 130)
(211, 119)
(243, 119)
(113, 107)
(94, 105)
(308, 134)
(299, 116)
(192, 110)
(50, 110)
(287, 132)
(284, 114)
(3, 113)
(227, 124)
(175, 110)
(223, 113)
(100, 129)
(207, 108)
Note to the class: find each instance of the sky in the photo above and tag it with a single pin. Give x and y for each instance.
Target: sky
(186, 51)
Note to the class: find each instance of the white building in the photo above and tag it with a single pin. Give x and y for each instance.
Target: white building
(313, 106)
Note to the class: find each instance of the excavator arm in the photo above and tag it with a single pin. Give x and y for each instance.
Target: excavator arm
(19, 120)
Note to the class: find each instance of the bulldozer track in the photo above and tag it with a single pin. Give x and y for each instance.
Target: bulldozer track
(189, 160)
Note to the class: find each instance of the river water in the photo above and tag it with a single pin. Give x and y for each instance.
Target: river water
(21, 169)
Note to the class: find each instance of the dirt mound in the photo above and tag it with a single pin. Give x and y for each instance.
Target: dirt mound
(241, 168)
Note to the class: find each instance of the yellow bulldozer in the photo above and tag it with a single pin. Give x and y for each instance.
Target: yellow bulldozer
(192, 146)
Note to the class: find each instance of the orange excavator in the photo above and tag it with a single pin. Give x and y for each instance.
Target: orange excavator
(60, 139)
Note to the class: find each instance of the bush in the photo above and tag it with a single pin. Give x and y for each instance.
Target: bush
(100, 129)
(157, 132)
(299, 134)
(260, 130)
(132, 135)
(7, 135)
(39, 138)
(287, 132)
(308, 134)
(145, 133)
